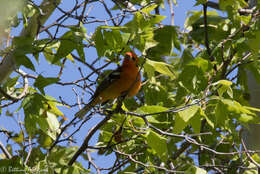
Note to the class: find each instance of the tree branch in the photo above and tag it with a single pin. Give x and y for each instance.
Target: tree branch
(92, 162)
(214, 5)
(206, 31)
(8, 65)
(5, 151)
(92, 131)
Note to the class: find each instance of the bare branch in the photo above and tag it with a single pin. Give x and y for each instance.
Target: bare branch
(29, 152)
(8, 65)
(92, 162)
(206, 40)
(91, 132)
(5, 151)
(131, 157)
(247, 152)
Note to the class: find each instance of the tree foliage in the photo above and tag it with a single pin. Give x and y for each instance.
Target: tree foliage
(189, 116)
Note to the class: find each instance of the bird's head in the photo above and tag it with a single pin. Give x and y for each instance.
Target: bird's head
(130, 59)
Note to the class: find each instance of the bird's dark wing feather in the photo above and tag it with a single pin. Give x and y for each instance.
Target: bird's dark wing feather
(108, 80)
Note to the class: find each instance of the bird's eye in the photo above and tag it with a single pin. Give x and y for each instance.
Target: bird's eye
(133, 58)
(127, 56)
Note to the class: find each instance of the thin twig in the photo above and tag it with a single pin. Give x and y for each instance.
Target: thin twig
(247, 152)
(172, 12)
(92, 162)
(182, 149)
(29, 152)
(5, 151)
(206, 40)
(91, 132)
(23, 93)
(130, 156)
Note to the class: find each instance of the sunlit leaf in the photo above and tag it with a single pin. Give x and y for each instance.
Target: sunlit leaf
(158, 144)
(183, 117)
(195, 170)
(161, 67)
(224, 86)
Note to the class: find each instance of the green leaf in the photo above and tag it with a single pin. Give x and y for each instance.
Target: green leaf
(221, 113)
(44, 140)
(216, 31)
(23, 45)
(149, 8)
(159, 144)
(252, 170)
(10, 82)
(235, 107)
(33, 103)
(25, 61)
(201, 63)
(53, 125)
(254, 68)
(113, 40)
(195, 170)
(235, 4)
(61, 155)
(149, 70)
(18, 138)
(242, 78)
(202, 113)
(252, 108)
(224, 86)
(66, 46)
(142, 29)
(161, 67)
(200, 2)
(256, 157)
(8, 164)
(188, 113)
(227, 109)
(49, 124)
(224, 3)
(193, 76)
(39, 113)
(245, 118)
(166, 38)
(52, 106)
(245, 19)
(175, 2)
(159, 120)
(151, 109)
(157, 94)
(193, 17)
(30, 123)
(183, 117)
(68, 42)
(254, 42)
(186, 57)
(41, 82)
(99, 42)
(195, 121)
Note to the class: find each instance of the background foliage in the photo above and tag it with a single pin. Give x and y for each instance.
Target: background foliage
(189, 116)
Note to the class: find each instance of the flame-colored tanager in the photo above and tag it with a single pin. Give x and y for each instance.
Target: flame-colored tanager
(126, 79)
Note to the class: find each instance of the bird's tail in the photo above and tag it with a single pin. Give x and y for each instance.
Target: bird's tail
(82, 112)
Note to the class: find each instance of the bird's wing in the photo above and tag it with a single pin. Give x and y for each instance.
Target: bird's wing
(108, 80)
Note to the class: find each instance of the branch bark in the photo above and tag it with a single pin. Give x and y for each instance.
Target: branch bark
(5, 151)
(84, 146)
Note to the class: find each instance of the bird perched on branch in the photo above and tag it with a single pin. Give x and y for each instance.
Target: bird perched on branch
(125, 80)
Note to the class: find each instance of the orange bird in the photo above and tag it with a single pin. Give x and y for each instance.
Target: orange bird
(126, 79)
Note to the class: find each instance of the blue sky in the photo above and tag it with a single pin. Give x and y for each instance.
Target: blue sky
(71, 73)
